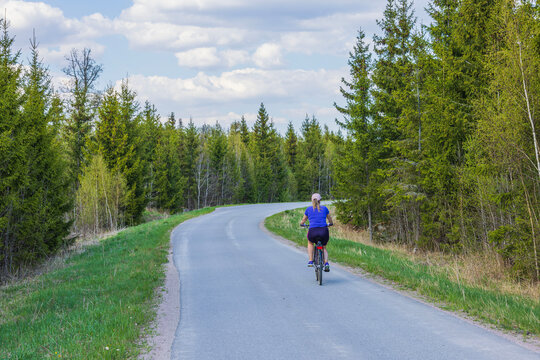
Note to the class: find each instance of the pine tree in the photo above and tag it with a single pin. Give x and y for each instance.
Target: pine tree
(291, 146)
(189, 167)
(12, 148)
(169, 180)
(83, 72)
(393, 108)
(44, 198)
(502, 157)
(244, 131)
(245, 191)
(218, 151)
(261, 150)
(118, 141)
(132, 164)
(357, 159)
(459, 34)
(310, 159)
(150, 130)
(291, 153)
(33, 178)
(111, 137)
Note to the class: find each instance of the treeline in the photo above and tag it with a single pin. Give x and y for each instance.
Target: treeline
(442, 146)
(84, 161)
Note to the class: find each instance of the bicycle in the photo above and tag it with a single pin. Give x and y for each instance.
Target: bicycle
(318, 258)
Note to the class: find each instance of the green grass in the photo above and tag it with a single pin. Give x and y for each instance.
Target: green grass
(511, 312)
(101, 298)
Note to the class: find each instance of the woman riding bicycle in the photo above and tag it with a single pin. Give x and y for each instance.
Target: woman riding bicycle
(318, 229)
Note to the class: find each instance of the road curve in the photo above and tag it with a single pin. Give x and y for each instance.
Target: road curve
(245, 295)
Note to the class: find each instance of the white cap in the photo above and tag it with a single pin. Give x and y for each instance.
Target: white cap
(316, 196)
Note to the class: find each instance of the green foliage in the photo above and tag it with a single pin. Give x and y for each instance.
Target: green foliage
(149, 131)
(514, 242)
(118, 140)
(12, 146)
(169, 180)
(441, 146)
(101, 196)
(503, 310)
(502, 164)
(34, 185)
(83, 73)
(269, 165)
(357, 160)
(189, 167)
(97, 299)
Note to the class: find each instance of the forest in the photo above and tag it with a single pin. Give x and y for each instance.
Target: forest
(437, 150)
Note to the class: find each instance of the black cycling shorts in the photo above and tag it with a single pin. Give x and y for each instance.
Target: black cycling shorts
(318, 234)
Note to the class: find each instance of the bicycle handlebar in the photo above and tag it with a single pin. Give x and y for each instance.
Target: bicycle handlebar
(307, 225)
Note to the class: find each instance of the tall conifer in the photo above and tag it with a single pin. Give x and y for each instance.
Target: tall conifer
(12, 148)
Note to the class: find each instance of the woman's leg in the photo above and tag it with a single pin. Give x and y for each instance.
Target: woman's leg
(310, 250)
(325, 255)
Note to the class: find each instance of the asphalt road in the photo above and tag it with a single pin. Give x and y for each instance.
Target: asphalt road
(246, 295)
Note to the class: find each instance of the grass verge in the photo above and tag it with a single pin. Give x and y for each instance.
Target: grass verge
(506, 311)
(96, 305)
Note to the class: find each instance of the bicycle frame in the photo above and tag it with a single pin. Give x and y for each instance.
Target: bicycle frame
(318, 258)
(318, 261)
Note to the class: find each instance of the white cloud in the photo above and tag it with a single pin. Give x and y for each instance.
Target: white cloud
(55, 33)
(162, 36)
(199, 57)
(210, 57)
(260, 37)
(57, 55)
(268, 55)
(287, 94)
(243, 84)
(24, 15)
(235, 57)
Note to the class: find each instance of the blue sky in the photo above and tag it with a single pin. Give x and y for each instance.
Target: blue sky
(211, 60)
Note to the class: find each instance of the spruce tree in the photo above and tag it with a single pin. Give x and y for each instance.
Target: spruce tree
(460, 34)
(118, 141)
(291, 146)
(150, 130)
(169, 180)
(393, 106)
(45, 198)
(83, 72)
(192, 150)
(261, 148)
(132, 162)
(218, 151)
(12, 147)
(111, 136)
(291, 154)
(502, 157)
(310, 158)
(357, 160)
(244, 131)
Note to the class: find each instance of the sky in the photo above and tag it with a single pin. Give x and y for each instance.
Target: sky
(209, 60)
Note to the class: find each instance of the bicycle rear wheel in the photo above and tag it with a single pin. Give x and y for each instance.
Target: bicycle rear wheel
(320, 267)
(316, 263)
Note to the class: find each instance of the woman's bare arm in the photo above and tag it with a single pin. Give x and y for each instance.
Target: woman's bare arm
(304, 219)
(329, 218)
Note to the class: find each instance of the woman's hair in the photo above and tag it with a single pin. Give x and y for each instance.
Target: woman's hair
(316, 204)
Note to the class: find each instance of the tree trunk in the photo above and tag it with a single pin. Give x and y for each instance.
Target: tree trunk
(529, 114)
(532, 226)
(370, 225)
